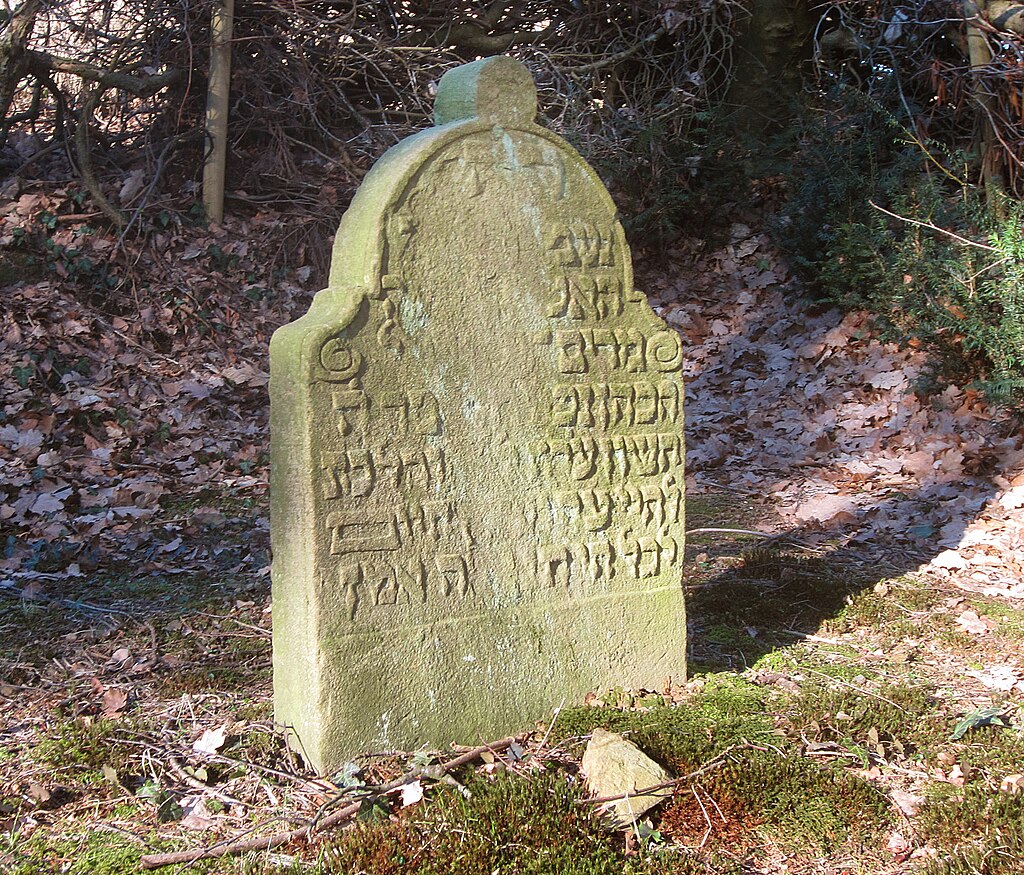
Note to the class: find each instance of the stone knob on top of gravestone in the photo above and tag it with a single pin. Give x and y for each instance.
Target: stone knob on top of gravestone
(498, 89)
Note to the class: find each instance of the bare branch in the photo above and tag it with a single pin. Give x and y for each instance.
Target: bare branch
(43, 64)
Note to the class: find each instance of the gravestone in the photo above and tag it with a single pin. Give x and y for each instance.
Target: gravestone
(477, 452)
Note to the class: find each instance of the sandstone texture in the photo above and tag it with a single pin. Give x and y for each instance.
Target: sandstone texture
(615, 766)
(477, 451)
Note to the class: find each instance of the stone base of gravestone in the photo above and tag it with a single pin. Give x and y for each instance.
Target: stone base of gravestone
(477, 454)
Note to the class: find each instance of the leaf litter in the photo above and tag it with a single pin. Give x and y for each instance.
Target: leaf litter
(133, 438)
(804, 404)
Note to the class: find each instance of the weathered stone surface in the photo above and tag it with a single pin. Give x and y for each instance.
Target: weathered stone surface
(477, 481)
(613, 767)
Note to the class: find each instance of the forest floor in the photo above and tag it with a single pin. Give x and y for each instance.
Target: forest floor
(854, 575)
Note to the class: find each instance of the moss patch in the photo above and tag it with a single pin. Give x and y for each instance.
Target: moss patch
(757, 603)
(74, 744)
(982, 830)
(762, 789)
(727, 711)
(86, 854)
(530, 826)
(895, 719)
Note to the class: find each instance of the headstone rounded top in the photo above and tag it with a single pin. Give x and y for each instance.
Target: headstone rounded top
(498, 89)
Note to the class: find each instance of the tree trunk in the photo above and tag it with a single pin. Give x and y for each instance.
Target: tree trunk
(217, 102)
(992, 164)
(770, 49)
(1005, 16)
(13, 57)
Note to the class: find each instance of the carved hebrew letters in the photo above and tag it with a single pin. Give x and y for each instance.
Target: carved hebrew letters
(393, 540)
(477, 453)
(581, 351)
(612, 422)
(612, 405)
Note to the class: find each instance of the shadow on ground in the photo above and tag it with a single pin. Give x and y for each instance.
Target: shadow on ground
(748, 596)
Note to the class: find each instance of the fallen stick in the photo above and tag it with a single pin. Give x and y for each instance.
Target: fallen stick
(239, 846)
(318, 825)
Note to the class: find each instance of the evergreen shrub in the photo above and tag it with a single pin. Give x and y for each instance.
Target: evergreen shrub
(878, 219)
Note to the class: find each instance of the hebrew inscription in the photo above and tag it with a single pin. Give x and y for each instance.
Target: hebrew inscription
(477, 452)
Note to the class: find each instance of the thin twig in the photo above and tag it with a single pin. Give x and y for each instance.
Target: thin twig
(11, 587)
(178, 769)
(932, 227)
(318, 825)
(551, 726)
(707, 819)
(707, 767)
(729, 532)
(856, 689)
(157, 173)
(727, 486)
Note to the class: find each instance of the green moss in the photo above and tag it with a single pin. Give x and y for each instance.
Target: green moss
(681, 861)
(108, 853)
(992, 751)
(801, 805)
(834, 660)
(888, 608)
(844, 670)
(717, 511)
(902, 719)
(772, 593)
(1011, 621)
(720, 634)
(260, 747)
(529, 826)
(232, 662)
(96, 853)
(31, 633)
(954, 638)
(975, 813)
(866, 609)
(912, 596)
(727, 711)
(213, 677)
(255, 712)
(999, 855)
(763, 783)
(79, 743)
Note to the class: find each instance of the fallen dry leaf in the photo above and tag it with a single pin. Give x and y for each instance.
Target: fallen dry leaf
(998, 677)
(38, 793)
(196, 815)
(119, 656)
(411, 793)
(1012, 499)
(1012, 784)
(825, 507)
(906, 802)
(114, 702)
(949, 559)
(973, 624)
(898, 844)
(211, 741)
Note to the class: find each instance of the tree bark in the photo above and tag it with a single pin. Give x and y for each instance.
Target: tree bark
(770, 48)
(217, 103)
(1005, 16)
(43, 64)
(13, 52)
(84, 154)
(980, 56)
